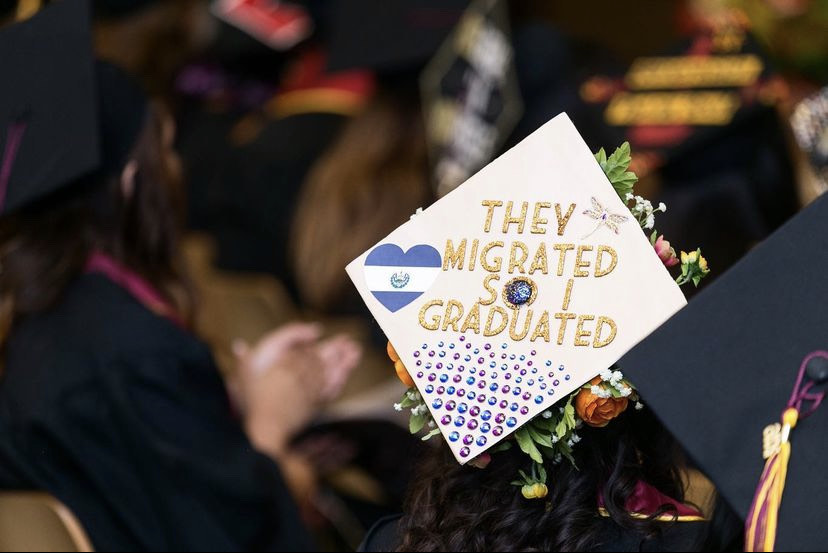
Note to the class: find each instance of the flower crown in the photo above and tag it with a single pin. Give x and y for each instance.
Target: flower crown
(552, 435)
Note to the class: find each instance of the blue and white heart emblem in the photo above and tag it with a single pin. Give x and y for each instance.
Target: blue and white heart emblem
(397, 278)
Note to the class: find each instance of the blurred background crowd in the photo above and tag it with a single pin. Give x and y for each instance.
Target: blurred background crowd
(310, 129)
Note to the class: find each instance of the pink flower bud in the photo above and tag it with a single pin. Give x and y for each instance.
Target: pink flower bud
(665, 252)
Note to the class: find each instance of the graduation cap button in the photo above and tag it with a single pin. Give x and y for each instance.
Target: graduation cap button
(817, 369)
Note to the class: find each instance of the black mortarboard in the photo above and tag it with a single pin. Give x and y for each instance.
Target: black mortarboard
(724, 367)
(121, 8)
(389, 35)
(61, 117)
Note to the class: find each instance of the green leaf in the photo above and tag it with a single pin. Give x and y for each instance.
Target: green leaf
(544, 425)
(615, 168)
(502, 446)
(569, 414)
(561, 429)
(431, 434)
(539, 438)
(653, 237)
(542, 472)
(416, 423)
(527, 445)
(696, 280)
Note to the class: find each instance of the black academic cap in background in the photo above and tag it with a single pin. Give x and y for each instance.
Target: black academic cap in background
(112, 9)
(724, 367)
(389, 35)
(48, 114)
(62, 116)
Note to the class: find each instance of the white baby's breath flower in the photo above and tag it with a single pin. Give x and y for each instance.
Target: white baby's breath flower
(570, 443)
(575, 438)
(554, 439)
(596, 390)
(606, 375)
(616, 377)
(625, 391)
(397, 407)
(650, 222)
(662, 207)
(547, 414)
(639, 406)
(431, 424)
(629, 196)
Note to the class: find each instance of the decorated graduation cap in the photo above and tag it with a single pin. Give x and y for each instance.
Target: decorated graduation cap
(739, 374)
(515, 292)
(389, 35)
(64, 116)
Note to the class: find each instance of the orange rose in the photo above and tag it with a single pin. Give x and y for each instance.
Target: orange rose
(598, 411)
(402, 373)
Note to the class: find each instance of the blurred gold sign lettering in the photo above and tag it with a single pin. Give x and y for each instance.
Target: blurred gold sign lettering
(694, 72)
(672, 108)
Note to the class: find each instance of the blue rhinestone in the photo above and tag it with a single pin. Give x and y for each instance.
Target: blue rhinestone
(429, 389)
(504, 366)
(561, 368)
(425, 346)
(440, 344)
(543, 386)
(516, 391)
(459, 421)
(493, 387)
(504, 346)
(476, 351)
(485, 427)
(470, 380)
(467, 358)
(444, 377)
(538, 399)
(513, 407)
(530, 382)
(486, 415)
(549, 363)
(511, 422)
(462, 408)
(471, 395)
(492, 400)
(442, 354)
(450, 366)
(518, 292)
(481, 441)
(566, 377)
(492, 365)
(551, 392)
(437, 403)
(519, 379)
(512, 357)
(454, 436)
(451, 346)
(450, 390)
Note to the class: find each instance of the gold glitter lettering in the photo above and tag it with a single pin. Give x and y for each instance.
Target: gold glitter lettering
(599, 272)
(563, 219)
(540, 263)
(580, 332)
(520, 220)
(580, 263)
(563, 317)
(451, 319)
(542, 328)
(491, 205)
(472, 321)
(504, 320)
(567, 294)
(513, 324)
(598, 342)
(537, 221)
(435, 320)
(563, 248)
(454, 257)
(487, 284)
(514, 262)
(473, 255)
(498, 260)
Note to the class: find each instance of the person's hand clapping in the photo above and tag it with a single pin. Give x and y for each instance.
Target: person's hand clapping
(282, 379)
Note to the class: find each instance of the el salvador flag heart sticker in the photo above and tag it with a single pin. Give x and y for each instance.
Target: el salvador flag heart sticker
(397, 278)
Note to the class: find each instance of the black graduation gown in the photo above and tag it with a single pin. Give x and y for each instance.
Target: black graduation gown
(122, 416)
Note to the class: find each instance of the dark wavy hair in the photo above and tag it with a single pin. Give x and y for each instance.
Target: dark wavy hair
(46, 245)
(456, 508)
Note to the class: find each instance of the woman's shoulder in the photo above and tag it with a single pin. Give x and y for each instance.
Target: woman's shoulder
(383, 536)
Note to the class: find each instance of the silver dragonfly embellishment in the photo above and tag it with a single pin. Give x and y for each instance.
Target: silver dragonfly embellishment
(604, 218)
